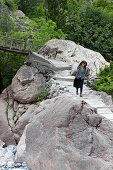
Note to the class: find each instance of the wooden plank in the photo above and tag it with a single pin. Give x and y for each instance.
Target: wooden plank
(14, 50)
(14, 45)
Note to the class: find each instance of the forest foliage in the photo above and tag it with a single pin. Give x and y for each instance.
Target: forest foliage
(87, 24)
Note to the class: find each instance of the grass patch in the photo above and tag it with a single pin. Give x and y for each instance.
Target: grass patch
(42, 95)
(14, 115)
(6, 111)
(73, 54)
(6, 99)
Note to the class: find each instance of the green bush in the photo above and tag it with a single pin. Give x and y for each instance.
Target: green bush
(106, 80)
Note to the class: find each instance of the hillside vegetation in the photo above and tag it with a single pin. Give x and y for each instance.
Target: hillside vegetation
(106, 80)
(87, 24)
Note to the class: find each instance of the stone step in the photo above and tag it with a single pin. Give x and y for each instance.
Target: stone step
(66, 78)
(64, 73)
(60, 65)
(107, 116)
(102, 107)
(104, 110)
(62, 78)
(94, 101)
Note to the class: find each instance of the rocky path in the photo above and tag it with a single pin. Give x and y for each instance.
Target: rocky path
(63, 78)
(7, 159)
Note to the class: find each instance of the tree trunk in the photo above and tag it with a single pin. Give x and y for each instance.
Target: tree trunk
(1, 83)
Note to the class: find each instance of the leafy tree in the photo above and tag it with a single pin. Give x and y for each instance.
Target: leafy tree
(92, 28)
(57, 11)
(7, 23)
(41, 31)
(9, 64)
(1, 2)
(12, 5)
(104, 4)
(29, 6)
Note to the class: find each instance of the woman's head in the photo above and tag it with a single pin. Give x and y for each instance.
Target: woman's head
(83, 63)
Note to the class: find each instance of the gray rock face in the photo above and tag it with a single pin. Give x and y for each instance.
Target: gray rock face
(24, 120)
(6, 135)
(38, 61)
(70, 52)
(21, 149)
(27, 84)
(69, 134)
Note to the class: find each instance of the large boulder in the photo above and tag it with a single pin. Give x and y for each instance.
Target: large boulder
(72, 53)
(20, 14)
(27, 84)
(69, 134)
(6, 134)
(24, 120)
(21, 148)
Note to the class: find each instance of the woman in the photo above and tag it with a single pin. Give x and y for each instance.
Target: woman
(82, 71)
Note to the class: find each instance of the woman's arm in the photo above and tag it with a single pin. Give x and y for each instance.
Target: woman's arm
(87, 71)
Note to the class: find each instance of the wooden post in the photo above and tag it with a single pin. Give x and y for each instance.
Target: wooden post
(29, 49)
(11, 43)
(20, 45)
(25, 45)
(2, 41)
(14, 43)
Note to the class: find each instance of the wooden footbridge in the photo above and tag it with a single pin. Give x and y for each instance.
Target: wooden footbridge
(15, 45)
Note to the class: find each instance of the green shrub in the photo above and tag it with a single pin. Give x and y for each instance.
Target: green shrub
(1, 2)
(6, 99)
(106, 80)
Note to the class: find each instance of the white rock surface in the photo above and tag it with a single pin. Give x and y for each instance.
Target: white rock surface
(20, 14)
(63, 50)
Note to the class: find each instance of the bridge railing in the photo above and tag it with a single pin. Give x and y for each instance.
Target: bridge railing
(15, 44)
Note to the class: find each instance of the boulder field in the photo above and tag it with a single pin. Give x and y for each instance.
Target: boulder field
(64, 131)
